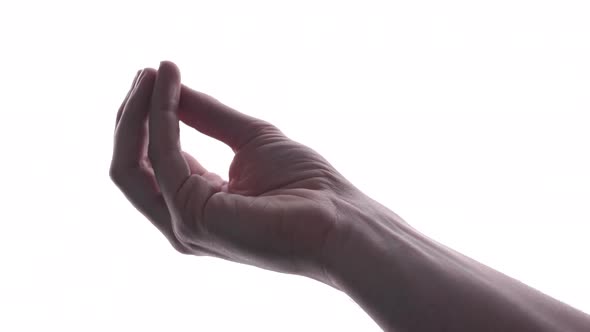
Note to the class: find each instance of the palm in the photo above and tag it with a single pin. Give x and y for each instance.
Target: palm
(273, 164)
(283, 208)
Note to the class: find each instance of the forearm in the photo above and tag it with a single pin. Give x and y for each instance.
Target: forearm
(408, 282)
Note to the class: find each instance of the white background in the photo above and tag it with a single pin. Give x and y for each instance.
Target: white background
(468, 118)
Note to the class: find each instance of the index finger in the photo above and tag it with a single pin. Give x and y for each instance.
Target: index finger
(170, 167)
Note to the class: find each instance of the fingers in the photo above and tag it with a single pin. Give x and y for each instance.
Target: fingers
(131, 133)
(148, 163)
(212, 118)
(214, 180)
(194, 165)
(184, 183)
(164, 151)
(129, 169)
(120, 111)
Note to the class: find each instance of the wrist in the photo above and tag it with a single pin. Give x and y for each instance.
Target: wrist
(366, 235)
(372, 256)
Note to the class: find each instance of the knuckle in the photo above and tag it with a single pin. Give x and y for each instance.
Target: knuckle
(259, 129)
(121, 175)
(165, 104)
(179, 247)
(182, 234)
(116, 175)
(264, 127)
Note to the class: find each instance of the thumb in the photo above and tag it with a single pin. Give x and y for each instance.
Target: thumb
(212, 118)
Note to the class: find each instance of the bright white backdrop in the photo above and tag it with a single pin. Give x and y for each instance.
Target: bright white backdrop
(469, 119)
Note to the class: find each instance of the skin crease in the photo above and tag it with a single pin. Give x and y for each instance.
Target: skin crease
(286, 209)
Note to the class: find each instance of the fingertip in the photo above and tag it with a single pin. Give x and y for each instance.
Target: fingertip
(166, 89)
(168, 62)
(146, 76)
(149, 72)
(168, 65)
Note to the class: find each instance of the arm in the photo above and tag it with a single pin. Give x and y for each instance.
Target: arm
(287, 209)
(408, 282)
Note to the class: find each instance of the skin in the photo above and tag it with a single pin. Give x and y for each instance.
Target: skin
(286, 209)
(275, 212)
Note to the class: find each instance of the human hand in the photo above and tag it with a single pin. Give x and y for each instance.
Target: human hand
(279, 208)
(285, 208)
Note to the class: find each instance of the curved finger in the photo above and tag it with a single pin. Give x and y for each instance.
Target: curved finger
(140, 188)
(122, 107)
(194, 165)
(164, 151)
(134, 178)
(215, 180)
(131, 134)
(185, 193)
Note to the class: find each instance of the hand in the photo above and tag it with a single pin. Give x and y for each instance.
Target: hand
(279, 208)
(285, 208)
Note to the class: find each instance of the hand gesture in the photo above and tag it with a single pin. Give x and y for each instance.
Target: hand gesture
(279, 208)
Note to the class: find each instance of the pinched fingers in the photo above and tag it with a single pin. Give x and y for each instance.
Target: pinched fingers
(164, 150)
(184, 183)
(171, 169)
(150, 168)
(130, 169)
